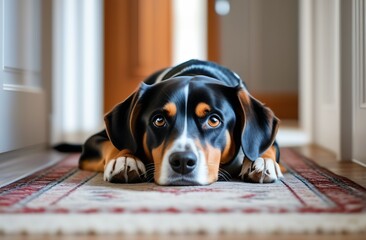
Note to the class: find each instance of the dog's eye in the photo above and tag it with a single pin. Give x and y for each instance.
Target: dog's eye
(159, 121)
(214, 121)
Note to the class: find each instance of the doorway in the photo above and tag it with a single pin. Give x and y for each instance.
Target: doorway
(259, 40)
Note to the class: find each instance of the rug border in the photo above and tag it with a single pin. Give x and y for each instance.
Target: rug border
(307, 160)
(312, 163)
(163, 224)
(110, 223)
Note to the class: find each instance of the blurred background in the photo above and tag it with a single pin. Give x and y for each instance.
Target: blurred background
(66, 63)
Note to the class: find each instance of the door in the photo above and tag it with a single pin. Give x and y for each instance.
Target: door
(24, 73)
(326, 75)
(137, 42)
(359, 100)
(259, 41)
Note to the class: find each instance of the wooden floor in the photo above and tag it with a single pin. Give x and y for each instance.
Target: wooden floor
(324, 158)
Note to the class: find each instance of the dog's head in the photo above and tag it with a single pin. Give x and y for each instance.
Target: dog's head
(190, 126)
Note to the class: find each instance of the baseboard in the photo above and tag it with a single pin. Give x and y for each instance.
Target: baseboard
(21, 163)
(359, 163)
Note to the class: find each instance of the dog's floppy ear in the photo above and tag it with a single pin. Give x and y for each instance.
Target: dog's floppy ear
(259, 127)
(120, 121)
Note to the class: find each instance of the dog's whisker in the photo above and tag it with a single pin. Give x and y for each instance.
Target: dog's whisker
(142, 175)
(220, 179)
(150, 179)
(223, 178)
(226, 178)
(150, 171)
(149, 174)
(146, 176)
(224, 171)
(224, 175)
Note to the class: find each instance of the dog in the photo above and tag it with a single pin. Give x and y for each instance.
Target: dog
(192, 124)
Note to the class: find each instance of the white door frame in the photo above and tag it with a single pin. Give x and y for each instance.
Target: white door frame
(319, 75)
(306, 68)
(312, 77)
(341, 143)
(358, 10)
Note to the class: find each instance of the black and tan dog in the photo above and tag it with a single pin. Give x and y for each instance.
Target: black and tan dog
(187, 125)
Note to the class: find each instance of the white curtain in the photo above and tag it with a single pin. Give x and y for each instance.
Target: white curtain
(77, 92)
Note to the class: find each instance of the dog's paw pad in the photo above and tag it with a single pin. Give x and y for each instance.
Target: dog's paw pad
(124, 170)
(262, 170)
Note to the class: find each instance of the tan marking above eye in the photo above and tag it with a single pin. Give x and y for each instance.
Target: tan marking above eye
(202, 109)
(171, 109)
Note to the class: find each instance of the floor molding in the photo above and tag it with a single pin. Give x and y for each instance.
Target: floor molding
(19, 164)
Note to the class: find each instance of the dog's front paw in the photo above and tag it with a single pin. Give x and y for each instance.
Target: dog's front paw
(124, 169)
(262, 170)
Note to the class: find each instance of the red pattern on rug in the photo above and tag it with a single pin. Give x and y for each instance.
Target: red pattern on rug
(63, 188)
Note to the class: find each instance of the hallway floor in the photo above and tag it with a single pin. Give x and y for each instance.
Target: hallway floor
(324, 158)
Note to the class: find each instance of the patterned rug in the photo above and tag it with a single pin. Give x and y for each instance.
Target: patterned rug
(63, 199)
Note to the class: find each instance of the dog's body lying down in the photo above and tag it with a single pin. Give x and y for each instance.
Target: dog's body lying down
(187, 125)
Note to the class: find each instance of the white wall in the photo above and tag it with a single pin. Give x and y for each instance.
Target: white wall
(189, 30)
(259, 41)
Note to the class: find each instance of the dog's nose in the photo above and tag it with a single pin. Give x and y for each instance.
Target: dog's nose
(183, 162)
